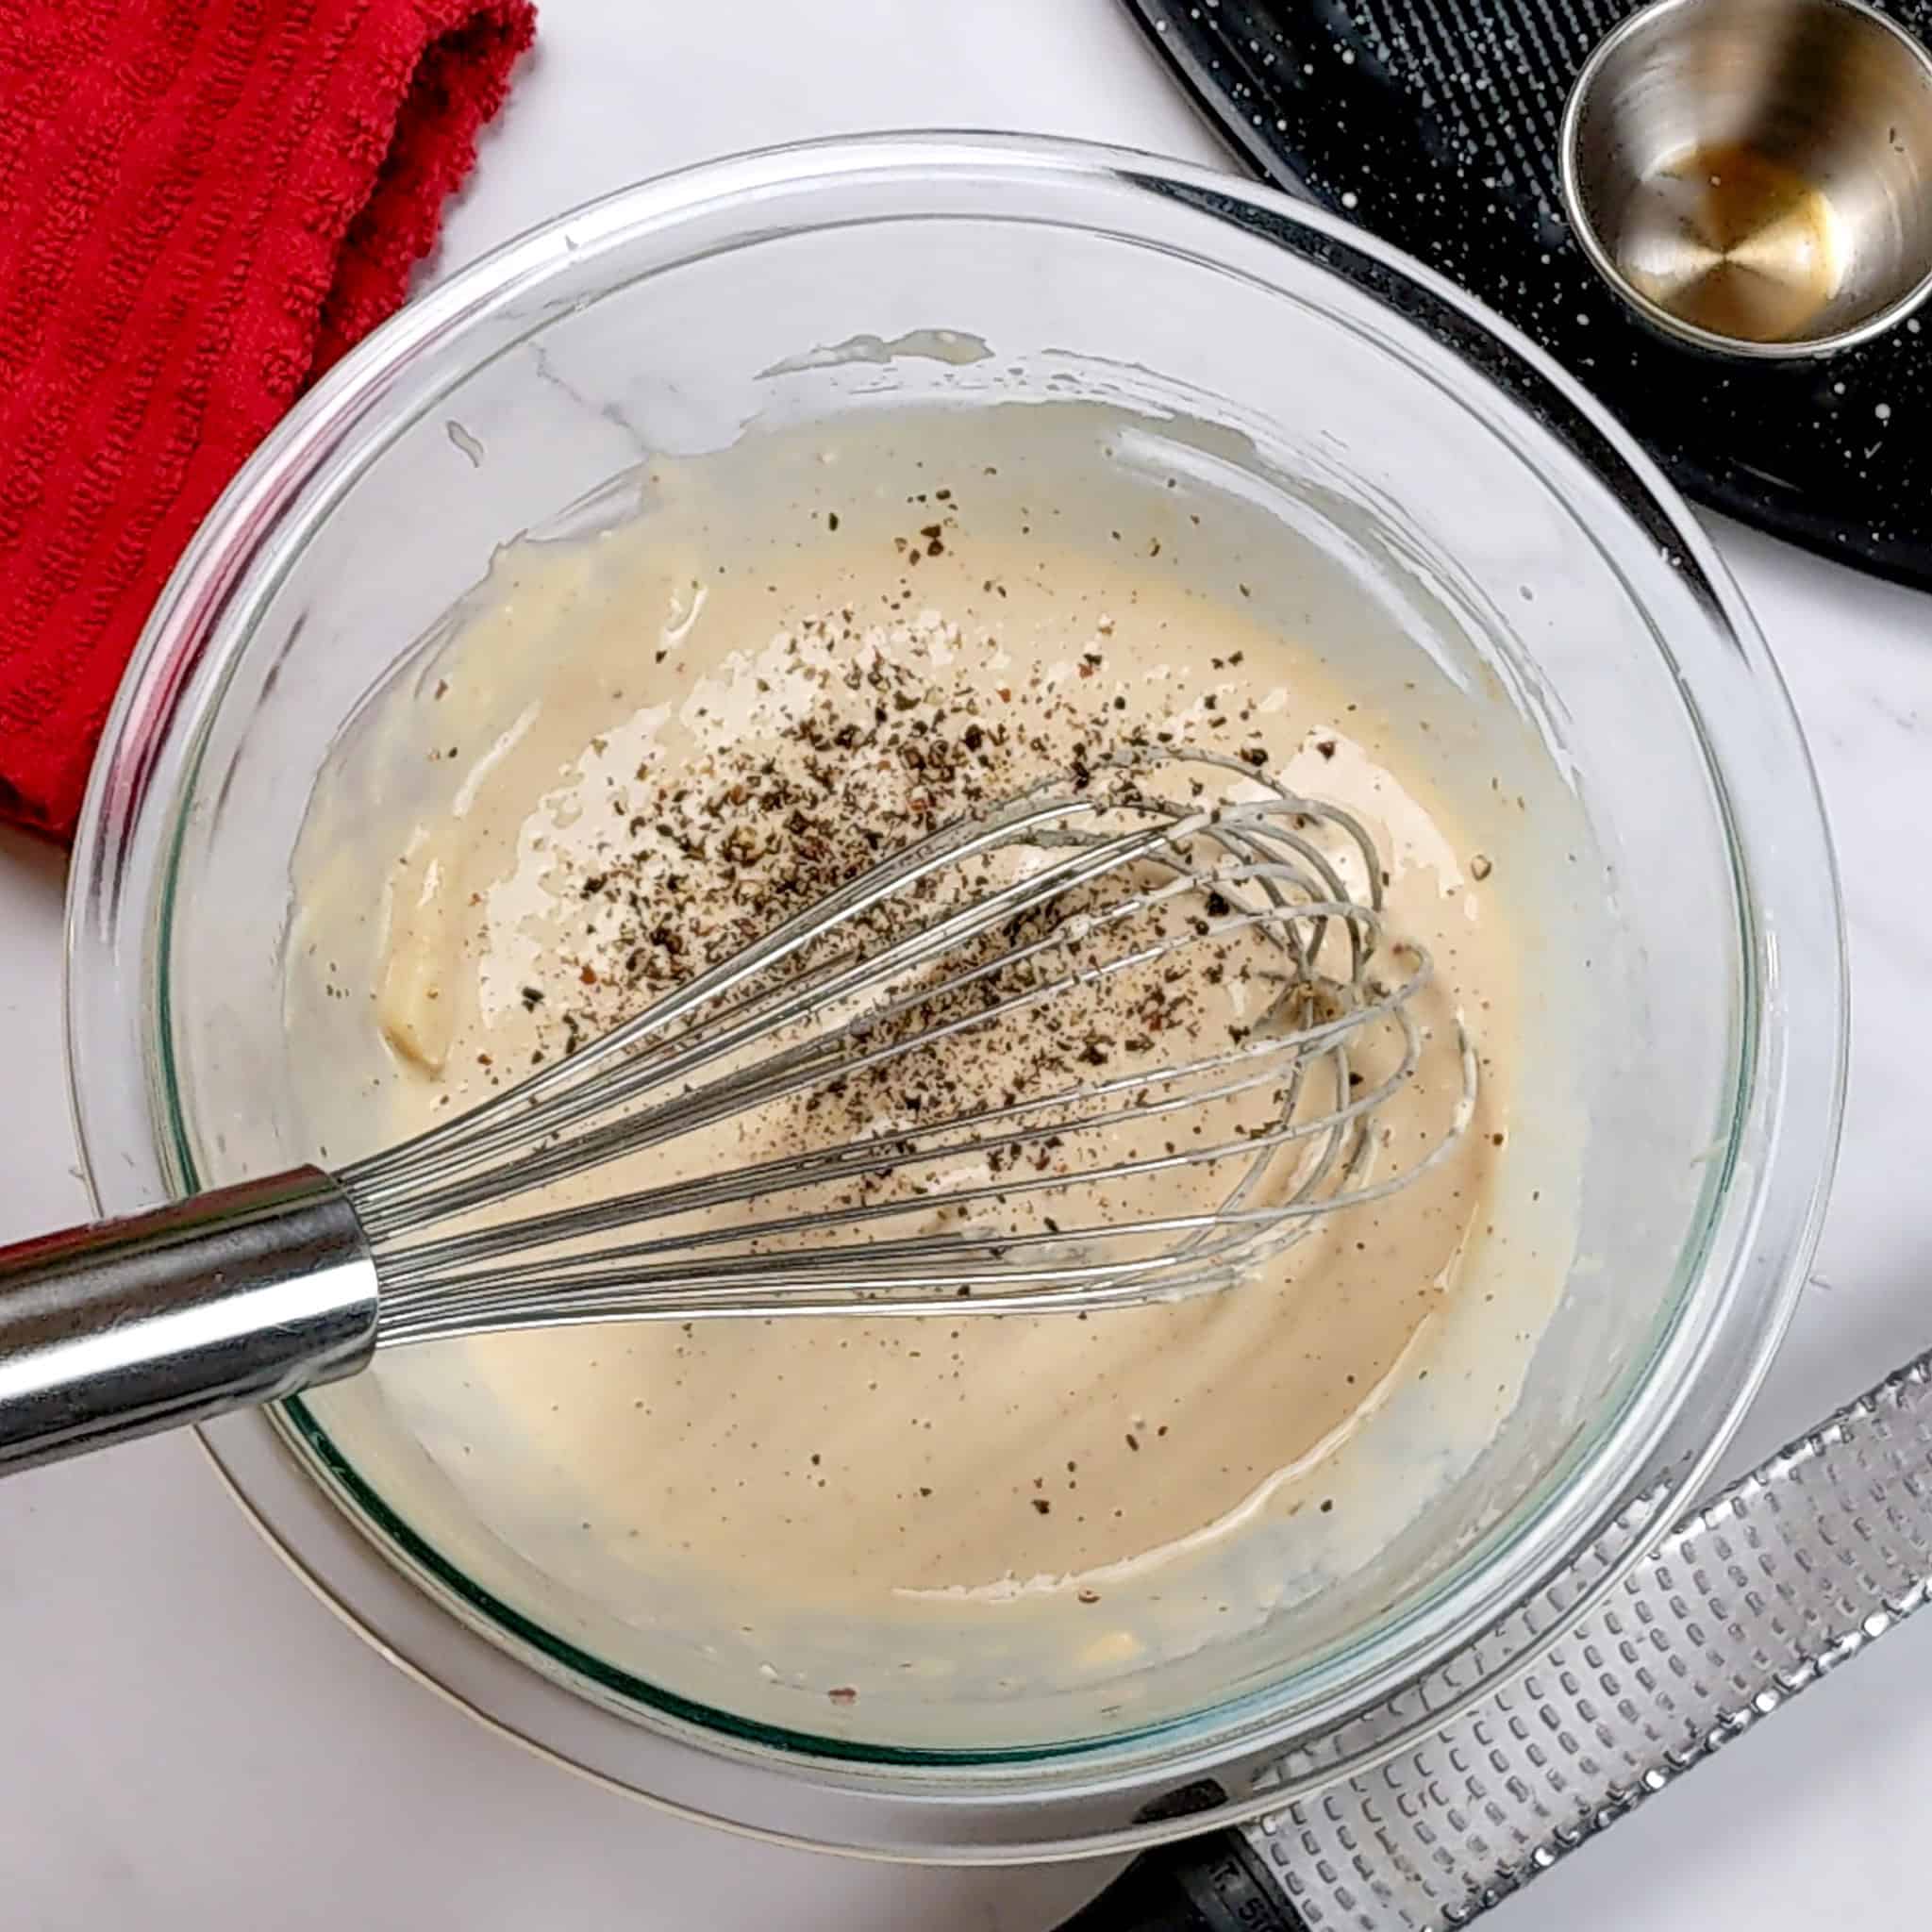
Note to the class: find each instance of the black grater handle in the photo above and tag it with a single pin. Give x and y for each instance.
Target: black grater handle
(1214, 1883)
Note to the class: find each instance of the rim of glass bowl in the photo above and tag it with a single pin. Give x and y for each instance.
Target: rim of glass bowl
(1737, 1280)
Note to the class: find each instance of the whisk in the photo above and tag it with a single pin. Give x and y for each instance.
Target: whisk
(956, 1084)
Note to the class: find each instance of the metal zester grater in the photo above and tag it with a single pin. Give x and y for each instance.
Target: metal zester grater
(1785, 1576)
(1433, 124)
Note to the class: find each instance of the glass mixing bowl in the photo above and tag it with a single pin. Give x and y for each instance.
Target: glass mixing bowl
(1422, 461)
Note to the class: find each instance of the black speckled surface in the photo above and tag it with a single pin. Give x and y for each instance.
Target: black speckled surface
(1433, 124)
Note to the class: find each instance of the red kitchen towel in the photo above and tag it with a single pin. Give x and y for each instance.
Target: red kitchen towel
(203, 203)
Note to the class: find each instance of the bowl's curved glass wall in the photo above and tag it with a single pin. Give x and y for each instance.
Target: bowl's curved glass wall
(1413, 497)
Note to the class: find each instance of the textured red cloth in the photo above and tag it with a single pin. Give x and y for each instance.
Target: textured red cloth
(203, 203)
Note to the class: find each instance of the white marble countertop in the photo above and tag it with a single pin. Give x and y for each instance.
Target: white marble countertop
(188, 1739)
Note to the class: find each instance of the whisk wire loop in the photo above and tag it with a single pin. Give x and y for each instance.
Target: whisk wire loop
(1102, 892)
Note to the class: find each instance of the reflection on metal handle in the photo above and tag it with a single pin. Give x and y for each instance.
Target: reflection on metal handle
(1785, 1576)
(231, 1298)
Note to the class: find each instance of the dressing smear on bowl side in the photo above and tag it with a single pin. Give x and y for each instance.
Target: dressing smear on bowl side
(636, 746)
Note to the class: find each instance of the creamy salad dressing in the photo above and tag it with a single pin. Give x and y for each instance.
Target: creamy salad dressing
(556, 811)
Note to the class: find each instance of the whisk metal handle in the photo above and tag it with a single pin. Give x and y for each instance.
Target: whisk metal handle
(231, 1298)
